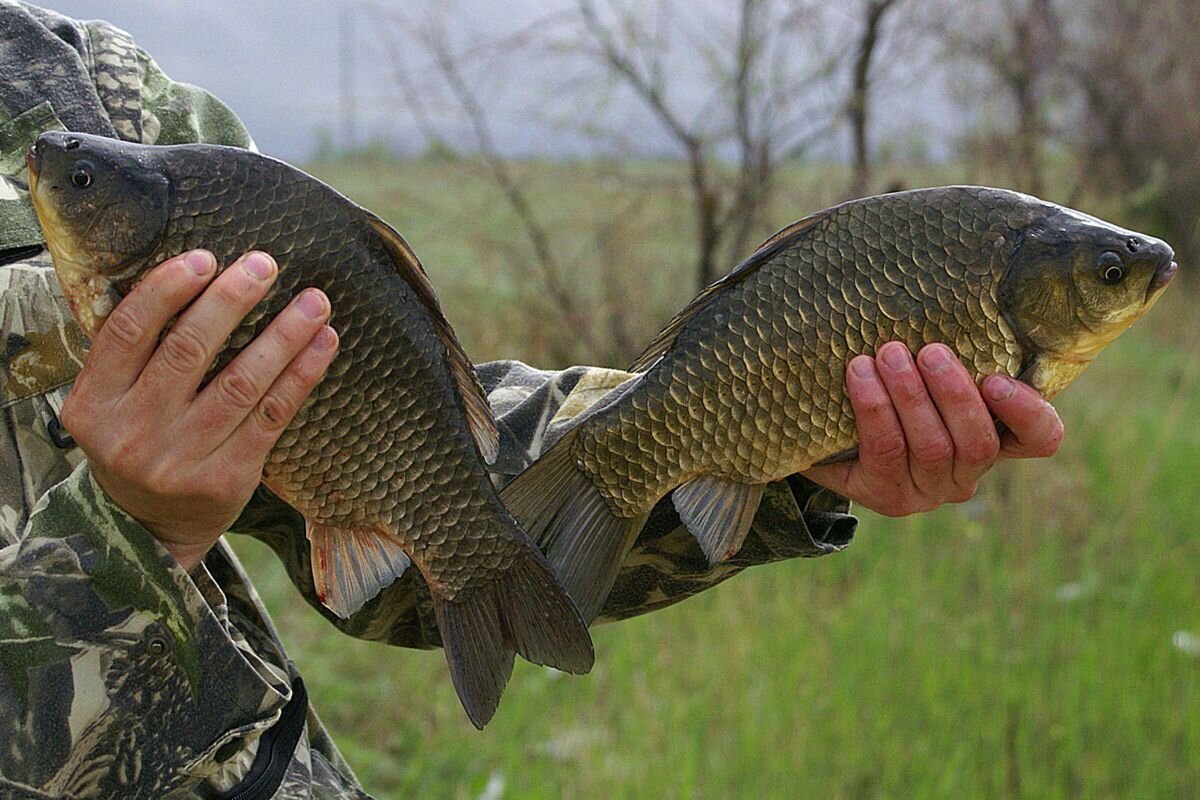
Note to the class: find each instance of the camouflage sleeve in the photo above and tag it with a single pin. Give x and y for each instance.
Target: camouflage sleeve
(179, 113)
(533, 407)
(106, 650)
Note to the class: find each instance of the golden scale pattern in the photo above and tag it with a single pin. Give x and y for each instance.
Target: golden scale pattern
(400, 461)
(755, 388)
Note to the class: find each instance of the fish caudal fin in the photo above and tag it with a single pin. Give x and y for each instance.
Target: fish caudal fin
(351, 566)
(522, 610)
(567, 517)
(718, 513)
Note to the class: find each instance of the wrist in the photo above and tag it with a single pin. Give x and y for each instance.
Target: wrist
(187, 554)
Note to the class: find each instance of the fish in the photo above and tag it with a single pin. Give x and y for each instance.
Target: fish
(386, 458)
(746, 385)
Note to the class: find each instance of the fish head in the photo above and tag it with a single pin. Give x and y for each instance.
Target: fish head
(103, 208)
(1075, 283)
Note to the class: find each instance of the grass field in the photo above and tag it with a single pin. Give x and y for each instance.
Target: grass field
(1041, 641)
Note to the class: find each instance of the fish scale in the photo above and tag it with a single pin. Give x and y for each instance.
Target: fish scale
(747, 384)
(384, 457)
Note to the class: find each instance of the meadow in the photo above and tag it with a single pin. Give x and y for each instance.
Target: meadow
(1042, 640)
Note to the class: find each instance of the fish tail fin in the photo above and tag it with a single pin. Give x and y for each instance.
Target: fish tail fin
(351, 566)
(584, 541)
(521, 609)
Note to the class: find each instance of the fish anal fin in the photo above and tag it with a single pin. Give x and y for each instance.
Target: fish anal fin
(350, 566)
(565, 514)
(480, 420)
(523, 609)
(718, 513)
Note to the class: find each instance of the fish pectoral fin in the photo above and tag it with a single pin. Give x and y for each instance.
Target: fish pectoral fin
(838, 458)
(350, 567)
(718, 513)
(522, 609)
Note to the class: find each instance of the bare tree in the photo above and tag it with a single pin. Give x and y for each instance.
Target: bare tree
(1019, 43)
(733, 92)
(756, 115)
(874, 14)
(1139, 72)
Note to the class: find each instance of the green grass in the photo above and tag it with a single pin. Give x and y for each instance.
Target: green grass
(1016, 646)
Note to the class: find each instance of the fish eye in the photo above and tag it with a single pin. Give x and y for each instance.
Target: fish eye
(1110, 267)
(81, 175)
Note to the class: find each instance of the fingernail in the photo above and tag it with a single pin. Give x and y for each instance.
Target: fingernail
(896, 357)
(935, 358)
(999, 387)
(200, 262)
(312, 303)
(863, 367)
(260, 265)
(325, 339)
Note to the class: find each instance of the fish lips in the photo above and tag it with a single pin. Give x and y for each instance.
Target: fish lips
(1162, 276)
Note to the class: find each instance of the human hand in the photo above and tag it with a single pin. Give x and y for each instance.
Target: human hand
(926, 434)
(183, 463)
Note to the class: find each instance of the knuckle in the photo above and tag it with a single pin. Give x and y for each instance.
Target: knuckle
(272, 413)
(184, 349)
(232, 289)
(873, 405)
(72, 415)
(888, 448)
(908, 394)
(124, 328)
(237, 389)
(980, 451)
(933, 451)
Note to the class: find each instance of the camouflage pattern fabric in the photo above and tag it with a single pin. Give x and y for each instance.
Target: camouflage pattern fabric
(121, 675)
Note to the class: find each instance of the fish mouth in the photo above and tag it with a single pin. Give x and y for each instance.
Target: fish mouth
(1162, 276)
(33, 159)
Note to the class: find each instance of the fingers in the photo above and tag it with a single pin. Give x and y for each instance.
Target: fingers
(882, 447)
(128, 338)
(976, 444)
(262, 428)
(186, 352)
(234, 393)
(930, 448)
(1034, 427)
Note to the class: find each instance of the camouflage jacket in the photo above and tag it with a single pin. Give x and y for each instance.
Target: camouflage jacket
(122, 675)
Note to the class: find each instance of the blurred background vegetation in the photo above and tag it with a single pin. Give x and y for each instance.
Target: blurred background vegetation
(1042, 640)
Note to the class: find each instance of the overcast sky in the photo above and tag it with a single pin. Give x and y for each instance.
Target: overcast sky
(277, 65)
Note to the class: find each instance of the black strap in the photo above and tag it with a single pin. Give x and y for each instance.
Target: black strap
(275, 750)
(12, 255)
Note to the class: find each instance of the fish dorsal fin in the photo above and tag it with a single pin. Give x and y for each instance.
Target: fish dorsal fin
(666, 337)
(474, 401)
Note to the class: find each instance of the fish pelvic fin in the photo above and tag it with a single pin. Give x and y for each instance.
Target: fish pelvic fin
(351, 566)
(584, 541)
(522, 610)
(718, 513)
